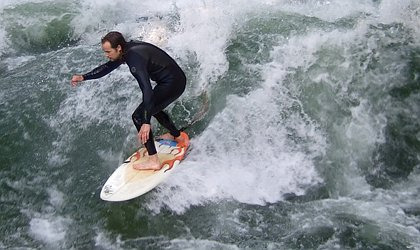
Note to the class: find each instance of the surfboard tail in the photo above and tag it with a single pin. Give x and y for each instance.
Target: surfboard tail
(185, 141)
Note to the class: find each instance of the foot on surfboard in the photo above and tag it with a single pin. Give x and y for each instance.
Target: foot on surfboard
(148, 165)
(166, 136)
(182, 140)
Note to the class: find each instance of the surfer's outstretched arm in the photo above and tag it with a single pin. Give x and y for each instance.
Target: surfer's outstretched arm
(102, 70)
(97, 72)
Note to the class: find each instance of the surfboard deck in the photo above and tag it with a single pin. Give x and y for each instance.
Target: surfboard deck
(126, 183)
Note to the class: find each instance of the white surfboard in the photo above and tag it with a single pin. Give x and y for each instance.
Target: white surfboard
(128, 183)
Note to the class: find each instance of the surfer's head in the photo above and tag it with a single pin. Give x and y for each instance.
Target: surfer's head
(113, 45)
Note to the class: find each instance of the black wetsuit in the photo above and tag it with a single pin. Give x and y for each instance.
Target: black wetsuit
(146, 62)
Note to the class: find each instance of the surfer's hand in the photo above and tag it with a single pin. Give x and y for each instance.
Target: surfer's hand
(144, 133)
(75, 79)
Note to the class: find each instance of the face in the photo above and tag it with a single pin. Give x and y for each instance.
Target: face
(111, 53)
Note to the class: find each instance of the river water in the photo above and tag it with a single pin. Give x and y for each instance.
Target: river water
(309, 134)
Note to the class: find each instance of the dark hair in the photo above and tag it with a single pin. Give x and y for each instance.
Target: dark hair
(115, 38)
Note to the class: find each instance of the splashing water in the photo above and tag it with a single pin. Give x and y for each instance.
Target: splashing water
(311, 137)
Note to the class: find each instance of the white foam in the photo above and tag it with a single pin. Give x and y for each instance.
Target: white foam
(49, 230)
(90, 104)
(387, 11)
(365, 130)
(384, 207)
(132, 18)
(359, 133)
(250, 127)
(14, 63)
(406, 12)
(47, 225)
(329, 10)
(192, 244)
(103, 241)
(56, 197)
(3, 40)
(205, 29)
(9, 3)
(248, 152)
(201, 29)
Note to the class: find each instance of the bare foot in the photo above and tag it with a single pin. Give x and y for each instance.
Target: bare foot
(152, 163)
(167, 136)
(180, 140)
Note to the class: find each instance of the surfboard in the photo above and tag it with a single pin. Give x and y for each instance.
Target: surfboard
(126, 183)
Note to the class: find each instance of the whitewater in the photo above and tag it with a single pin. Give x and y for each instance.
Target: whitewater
(308, 138)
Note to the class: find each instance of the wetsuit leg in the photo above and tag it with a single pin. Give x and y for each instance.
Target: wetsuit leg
(150, 144)
(167, 123)
(163, 95)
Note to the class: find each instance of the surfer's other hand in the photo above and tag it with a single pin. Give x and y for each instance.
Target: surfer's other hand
(144, 133)
(75, 79)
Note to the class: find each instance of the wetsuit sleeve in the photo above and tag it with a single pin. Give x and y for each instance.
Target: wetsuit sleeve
(138, 68)
(102, 70)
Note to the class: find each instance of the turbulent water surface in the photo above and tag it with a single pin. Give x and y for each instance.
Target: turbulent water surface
(310, 136)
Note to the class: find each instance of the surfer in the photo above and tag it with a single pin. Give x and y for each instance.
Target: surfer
(146, 62)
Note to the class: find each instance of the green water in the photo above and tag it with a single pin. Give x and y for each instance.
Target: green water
(309, 140)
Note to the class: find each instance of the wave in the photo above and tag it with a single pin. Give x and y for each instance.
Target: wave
(312, 119)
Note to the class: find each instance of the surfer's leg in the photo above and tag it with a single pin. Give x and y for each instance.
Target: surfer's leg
(167, 123)
(150, 145)
(152, 162)
(174, 133)
(163, 95)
